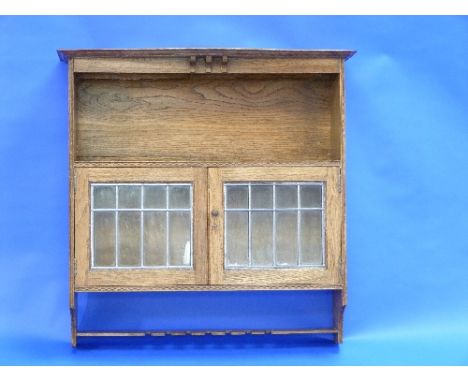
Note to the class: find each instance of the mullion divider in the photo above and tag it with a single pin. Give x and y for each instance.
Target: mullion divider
(298, 250)
(116, 226)
(167, 225)
(250, 225)
(142, 242)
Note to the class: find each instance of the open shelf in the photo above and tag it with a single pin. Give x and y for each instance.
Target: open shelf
(220, 118)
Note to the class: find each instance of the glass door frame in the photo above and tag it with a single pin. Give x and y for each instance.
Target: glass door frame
(328, 276)
(89, 277)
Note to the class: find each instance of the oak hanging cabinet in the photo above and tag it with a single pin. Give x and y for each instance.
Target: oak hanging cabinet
(207, 169)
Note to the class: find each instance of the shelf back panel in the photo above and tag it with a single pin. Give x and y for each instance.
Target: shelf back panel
(197, 118)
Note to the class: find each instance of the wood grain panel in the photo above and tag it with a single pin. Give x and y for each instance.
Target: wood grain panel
(283, 65)
(219, 118)
(182, 65)
(129, 65)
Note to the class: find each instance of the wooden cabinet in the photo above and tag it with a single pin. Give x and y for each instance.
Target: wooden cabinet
(207, 169)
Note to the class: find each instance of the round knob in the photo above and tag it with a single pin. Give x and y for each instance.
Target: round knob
(214, 213)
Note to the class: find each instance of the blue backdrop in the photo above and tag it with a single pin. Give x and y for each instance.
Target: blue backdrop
(407, 140)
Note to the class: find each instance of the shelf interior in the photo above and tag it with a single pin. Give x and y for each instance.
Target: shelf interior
(194, 118)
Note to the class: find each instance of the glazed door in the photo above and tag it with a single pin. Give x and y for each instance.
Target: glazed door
(140, 227)
(275, 226)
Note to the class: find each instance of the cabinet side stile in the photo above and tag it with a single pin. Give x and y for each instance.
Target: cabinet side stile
(340, 296)
(71, 209)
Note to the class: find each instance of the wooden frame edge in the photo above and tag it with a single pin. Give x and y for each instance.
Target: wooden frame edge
(71, 201)
(343, 295)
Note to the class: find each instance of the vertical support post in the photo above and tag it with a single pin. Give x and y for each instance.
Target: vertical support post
(338, 310)
(73, 319)
(71, 200)
(343, 294)
(338, 121)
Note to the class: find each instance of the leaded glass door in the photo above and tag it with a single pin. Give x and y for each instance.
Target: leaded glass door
(274, 226)
(140, 227)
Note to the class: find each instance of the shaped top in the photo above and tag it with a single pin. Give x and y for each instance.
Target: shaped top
(66, 54)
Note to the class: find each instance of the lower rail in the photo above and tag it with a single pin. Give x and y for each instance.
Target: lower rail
(202, 333)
